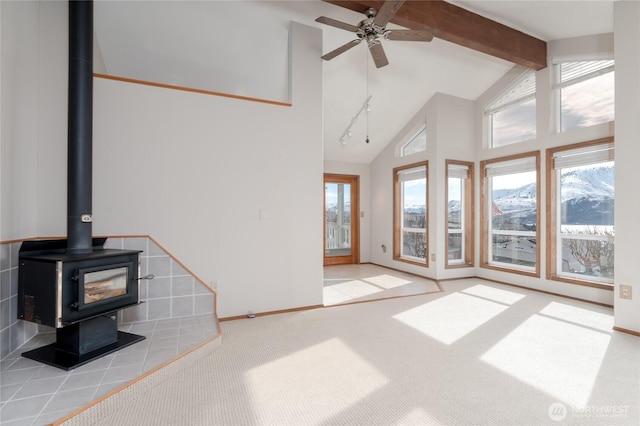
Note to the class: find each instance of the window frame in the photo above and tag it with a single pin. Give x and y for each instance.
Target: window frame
(398, 215)
(467, 231)
(485, 216)
(552, 216)
(558, 85)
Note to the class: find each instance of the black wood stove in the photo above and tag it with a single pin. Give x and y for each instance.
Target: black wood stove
(79, 295)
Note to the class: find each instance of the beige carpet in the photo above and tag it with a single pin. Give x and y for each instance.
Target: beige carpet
(477, 353)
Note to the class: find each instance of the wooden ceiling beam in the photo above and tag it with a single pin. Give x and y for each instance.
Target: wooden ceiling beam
(457, 25)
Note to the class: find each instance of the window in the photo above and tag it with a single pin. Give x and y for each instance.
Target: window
(459, 204)
(417, 144)
(584, 93)
(410, 213)
(511, 117)
(581, 200)
(509, 214)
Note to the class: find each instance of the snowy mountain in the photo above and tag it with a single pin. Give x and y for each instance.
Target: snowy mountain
(595, 182)
(588, 196)
(587, 199)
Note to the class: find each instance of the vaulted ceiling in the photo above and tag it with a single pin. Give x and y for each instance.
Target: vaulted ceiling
(240, 47)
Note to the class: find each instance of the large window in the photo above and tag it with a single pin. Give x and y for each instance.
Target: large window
(509, 214)
(410, 213)
(584, 93)
(459, 204)
(581, 199)
(511, 117)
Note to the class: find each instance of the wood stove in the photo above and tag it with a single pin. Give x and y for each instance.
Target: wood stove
(79, 295)
(76, 285)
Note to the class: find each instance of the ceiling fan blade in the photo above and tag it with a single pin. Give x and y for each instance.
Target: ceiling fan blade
(341, 49)
(379, 57)
(387, 11)
(337, 24)
(410, 35)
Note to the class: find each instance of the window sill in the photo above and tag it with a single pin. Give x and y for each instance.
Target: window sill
(593, 284)
(459, 265)
(411, 261)
(534, 274)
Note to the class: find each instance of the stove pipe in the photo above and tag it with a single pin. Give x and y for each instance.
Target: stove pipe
(80, 123)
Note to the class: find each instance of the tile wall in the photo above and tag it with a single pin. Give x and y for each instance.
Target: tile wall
(172, 293)
(13, 332)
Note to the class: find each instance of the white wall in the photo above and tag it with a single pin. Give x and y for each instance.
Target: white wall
(455, 140)
(627, 56)
(450, 135)
(19, 135)
(361, 170)
(34, 116)
(193, 171)
(226, 185)
(382, 189)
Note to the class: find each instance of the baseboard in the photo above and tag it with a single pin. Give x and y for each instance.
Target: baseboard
(624, 330)
(262, 314)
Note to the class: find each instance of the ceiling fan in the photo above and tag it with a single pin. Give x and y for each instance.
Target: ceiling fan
(372, 29)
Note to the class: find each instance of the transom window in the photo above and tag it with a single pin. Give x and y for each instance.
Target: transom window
(417, 144)
(581, 197)
(510, 214)
(511, 117)
(410, 213)
(584, 93)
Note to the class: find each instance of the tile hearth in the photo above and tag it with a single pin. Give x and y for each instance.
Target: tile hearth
(32, 393)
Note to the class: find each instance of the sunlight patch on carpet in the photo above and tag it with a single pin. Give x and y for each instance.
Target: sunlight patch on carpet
(387, 281)
(344, 292)
(418, 416)
(553, 356)
(580, 316)
(329, 378)
(451, 317)
(495, 294)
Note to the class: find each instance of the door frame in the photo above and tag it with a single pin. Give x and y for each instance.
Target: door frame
(354, 181)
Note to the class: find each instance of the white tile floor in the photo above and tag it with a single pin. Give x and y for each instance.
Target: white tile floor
(32, 393)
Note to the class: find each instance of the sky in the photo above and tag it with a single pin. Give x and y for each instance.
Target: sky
(331, 193)
(415, 192)
(513, 181)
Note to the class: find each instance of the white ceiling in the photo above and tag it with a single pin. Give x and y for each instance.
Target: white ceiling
(239, 47)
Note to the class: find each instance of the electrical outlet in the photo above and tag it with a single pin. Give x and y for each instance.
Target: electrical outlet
(433, 257)
(625, 292)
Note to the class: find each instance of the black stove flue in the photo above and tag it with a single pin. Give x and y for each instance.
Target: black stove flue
(80, 125)
(76, 285)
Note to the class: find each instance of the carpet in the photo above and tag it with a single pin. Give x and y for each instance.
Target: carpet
(477, 353)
